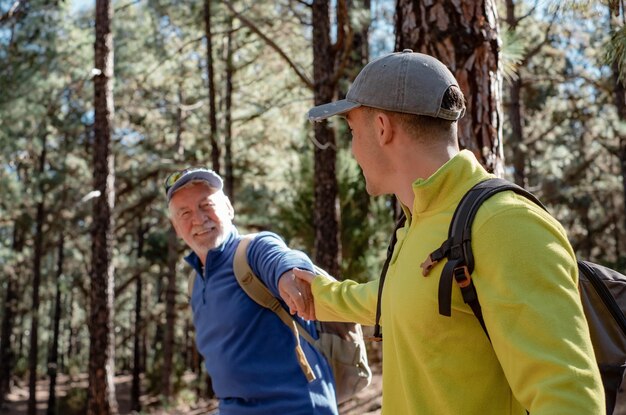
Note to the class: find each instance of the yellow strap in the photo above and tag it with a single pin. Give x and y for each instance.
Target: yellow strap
(258, 292)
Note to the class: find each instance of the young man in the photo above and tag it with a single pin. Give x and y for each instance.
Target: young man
(248, 351)
(402, 110)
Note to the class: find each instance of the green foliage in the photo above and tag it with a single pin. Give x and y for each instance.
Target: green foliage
(511, 54)
(73, 403)
(571, 125)
(616, 52)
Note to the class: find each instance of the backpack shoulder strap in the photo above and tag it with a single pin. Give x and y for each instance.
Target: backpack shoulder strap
(260, 294)
(378, 335)
(191, 279)
(458, 248)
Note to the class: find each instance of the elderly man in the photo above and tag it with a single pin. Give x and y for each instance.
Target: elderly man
(248, 351)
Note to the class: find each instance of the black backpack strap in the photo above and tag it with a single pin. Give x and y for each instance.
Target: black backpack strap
(458, 248)
(378, 335)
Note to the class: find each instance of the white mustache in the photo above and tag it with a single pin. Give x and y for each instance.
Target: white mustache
(207, 226)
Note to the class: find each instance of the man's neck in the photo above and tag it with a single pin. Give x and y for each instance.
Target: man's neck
(420, 163)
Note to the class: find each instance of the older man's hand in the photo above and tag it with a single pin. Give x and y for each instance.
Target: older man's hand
(296, 293)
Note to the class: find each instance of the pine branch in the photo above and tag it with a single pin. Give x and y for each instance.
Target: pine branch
(270, 43)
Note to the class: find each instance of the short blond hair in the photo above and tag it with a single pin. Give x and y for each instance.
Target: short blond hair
(423, 125)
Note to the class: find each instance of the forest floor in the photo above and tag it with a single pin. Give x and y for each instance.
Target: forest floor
(366, 402)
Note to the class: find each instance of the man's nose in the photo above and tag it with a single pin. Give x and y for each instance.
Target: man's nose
(199, 217)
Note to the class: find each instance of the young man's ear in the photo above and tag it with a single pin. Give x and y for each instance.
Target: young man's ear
(383, 127)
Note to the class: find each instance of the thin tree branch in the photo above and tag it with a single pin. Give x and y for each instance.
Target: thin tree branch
(304, 3)
(530, 12)
(343, 46)
(13, 10)
(270, 43)
(545, 41)
(125, 6)
(162, 61)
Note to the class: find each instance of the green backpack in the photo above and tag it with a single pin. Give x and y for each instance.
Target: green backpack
(341, 343)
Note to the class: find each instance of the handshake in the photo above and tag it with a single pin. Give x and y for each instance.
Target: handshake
(294, 287)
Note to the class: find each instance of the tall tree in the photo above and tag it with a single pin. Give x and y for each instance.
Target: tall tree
(11, 301)
(38, 253)
(215, 149)
(329, 60)
(515, 109)
(517, 57)
(619, 83)
(101, 393)
(135, 390)
(53, 355)
(229, 185)
(464, 35)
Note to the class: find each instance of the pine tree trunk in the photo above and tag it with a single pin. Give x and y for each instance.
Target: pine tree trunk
(135, 390)
(620, 102)
(215, 148)
(6, 354)
(101, 392)
(229, 186)
(619, 93)
(170, 315)
(325, 212)
(11, 300)
(53, 360)
(463, 34)
(38, 253)
(516, 140)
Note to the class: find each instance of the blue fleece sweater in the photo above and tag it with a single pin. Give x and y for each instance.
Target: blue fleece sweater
(248, 351)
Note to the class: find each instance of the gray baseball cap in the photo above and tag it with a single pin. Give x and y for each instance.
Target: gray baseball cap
(406, 81)
(180, 178)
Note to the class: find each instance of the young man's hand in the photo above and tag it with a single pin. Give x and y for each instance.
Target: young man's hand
(296, 293)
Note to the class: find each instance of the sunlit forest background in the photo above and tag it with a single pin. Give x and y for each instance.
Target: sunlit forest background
(100, 101)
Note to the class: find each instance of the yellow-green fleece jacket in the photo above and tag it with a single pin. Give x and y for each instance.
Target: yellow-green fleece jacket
(540, 358)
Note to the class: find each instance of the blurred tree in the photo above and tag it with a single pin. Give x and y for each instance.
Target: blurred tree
(516, 57)
(329, 63)
(215, 148)
(53, 354)
(101, 397)
(37, 256)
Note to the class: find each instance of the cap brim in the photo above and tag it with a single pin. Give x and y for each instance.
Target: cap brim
(211, 178)
(321, 112)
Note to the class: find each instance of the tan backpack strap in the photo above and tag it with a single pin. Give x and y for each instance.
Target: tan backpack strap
(191, 279)
(258, 292)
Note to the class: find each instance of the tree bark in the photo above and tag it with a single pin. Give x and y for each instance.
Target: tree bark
(325, 212)
(135, 391)
(464, 35)
(515, 112)
(215, 149)
(38, 253)
(170, 315)
(101, 391)
(229, 186)
(53, 360)
(619, 94)
(11, 300)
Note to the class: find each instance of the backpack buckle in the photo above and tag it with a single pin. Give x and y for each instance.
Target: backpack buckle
(428, 265)
(462, 276)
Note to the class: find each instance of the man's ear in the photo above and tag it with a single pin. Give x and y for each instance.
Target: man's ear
(383, 126)
(229, 208)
